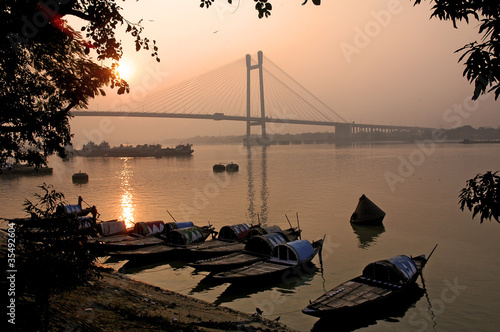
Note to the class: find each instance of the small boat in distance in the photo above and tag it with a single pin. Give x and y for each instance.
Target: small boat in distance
(80, 177)
(381, 281)
(146, 150)
(367, 212)
(22, 169)
(232, 167)
(219, 168)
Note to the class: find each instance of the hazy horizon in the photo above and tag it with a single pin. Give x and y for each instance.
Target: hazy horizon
(373, 62)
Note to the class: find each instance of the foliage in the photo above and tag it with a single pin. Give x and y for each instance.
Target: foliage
(53, 253)
(483, 58)
(264, 7)
(482, 195)
(46, 70)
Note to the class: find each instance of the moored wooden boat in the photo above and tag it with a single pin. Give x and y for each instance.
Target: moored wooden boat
(172, 241)
(367, 212)
(258, 248)
(285, 257)
(80, 177)
(114, 236)
(380, 282)
(232, 239)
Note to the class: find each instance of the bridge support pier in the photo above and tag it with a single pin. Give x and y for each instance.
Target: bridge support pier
(343, 132)
(263, 140)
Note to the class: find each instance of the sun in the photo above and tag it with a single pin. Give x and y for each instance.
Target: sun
(125, 69)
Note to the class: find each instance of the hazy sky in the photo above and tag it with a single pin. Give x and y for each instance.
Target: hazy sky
(372, 61)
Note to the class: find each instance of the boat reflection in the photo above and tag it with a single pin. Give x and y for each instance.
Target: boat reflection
(390, 312)
(133, 266)
(367, 234)
(236, 291)
(127, 203)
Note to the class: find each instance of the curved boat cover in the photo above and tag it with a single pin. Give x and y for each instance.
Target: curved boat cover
(234, 232)
(398, 269)
(184, 235)
(293, 252)
(178, 225)
(149, 227)
(262, 230)
(72, 208)
(264, 244)
(112, 227)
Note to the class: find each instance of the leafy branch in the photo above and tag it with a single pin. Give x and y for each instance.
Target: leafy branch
(482, 196)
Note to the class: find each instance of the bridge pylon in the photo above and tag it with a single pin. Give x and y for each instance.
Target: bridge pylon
(264, 139)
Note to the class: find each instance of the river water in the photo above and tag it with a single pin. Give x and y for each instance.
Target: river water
(417, 185)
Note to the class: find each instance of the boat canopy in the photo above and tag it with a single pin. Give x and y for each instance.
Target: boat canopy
(178, 225)
(293, 252)
(149, 227)
(72, 208)
(396, 270)
(185, 236)
(261, 230)
(112, 227)
(234, 232)
(264, 244)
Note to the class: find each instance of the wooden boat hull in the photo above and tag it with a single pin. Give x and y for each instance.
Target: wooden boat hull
(157, 251)
(127, 243)
(360, 294)
(228, 262)
(214, 248)
(265, 269)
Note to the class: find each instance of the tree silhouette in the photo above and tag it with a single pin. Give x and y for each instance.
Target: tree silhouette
(482, 66)
(46, 70)
(482, 196)
(53, 255)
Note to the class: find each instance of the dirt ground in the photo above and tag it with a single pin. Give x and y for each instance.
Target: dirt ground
(116, 302)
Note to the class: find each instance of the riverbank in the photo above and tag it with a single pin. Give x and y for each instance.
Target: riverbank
(118, 303)
(115, 302)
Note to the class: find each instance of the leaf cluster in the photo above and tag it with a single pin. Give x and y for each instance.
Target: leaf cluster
(482, 196)
(482, 64)
(53, 253)
(46, 70)
(263, 7)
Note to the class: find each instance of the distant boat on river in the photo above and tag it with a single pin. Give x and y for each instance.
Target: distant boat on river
(80, 177)
(19, 169)
(478, 141)
(146, 150)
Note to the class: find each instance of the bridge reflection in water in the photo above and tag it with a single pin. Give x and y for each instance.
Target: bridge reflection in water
(262, 214)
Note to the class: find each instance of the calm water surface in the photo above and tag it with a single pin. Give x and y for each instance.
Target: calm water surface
(417, 186)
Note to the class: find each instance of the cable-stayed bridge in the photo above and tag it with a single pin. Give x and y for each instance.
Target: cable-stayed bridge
(256, 91)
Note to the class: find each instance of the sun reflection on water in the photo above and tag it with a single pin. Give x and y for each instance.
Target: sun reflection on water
(127, 202)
